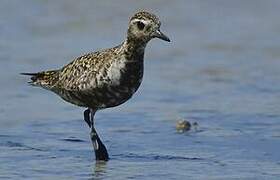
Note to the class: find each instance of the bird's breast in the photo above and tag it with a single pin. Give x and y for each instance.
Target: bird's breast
(122, 80)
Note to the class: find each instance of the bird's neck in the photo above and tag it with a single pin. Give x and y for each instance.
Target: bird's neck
(134, 49)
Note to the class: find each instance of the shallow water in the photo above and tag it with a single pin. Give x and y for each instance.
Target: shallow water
(221, 70)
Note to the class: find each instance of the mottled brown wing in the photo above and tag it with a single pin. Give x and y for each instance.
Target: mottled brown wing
(79, 74)
(84, 72)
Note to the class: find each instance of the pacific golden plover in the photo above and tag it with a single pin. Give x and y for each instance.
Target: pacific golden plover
(105, 78)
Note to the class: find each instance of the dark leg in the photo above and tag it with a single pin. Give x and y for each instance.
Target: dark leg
(87, 117)
(100, 150)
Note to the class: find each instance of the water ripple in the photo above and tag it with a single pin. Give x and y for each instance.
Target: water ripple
(155, 157)
(73, 139)
(21, 146)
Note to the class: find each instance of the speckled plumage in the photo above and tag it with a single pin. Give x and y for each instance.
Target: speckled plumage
(108, 77)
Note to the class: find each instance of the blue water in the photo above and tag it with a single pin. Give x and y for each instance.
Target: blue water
(221, 70)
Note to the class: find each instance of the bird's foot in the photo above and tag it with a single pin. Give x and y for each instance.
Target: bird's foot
(100, 150)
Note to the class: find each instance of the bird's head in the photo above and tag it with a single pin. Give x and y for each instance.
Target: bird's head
(144, 26)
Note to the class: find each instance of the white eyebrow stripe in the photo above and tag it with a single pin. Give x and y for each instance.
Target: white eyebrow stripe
(141, 20)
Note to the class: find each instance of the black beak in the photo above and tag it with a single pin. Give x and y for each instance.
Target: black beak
(162, 36)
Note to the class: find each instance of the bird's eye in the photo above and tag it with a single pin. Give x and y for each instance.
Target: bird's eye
(140, 25)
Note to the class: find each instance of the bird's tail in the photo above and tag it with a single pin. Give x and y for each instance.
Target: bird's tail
(45, 79)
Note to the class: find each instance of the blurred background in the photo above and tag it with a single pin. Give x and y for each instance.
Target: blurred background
(221, 70)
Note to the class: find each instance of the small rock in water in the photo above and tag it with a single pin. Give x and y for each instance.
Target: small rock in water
(183, 125)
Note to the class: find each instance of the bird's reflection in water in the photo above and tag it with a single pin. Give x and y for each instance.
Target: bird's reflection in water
(99, 170)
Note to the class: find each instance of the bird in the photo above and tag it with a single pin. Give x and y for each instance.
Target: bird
(104, 78)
